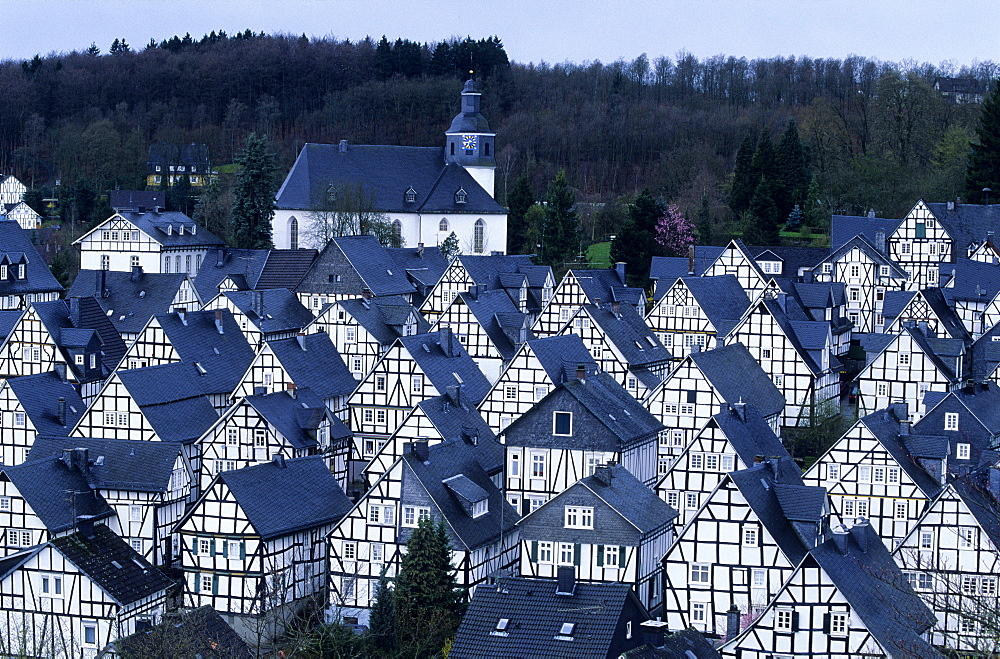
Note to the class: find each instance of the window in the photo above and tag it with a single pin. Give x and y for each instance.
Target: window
(699, 573)
(4, 503)
(355, 364)
(966, 537)
(968, 625)
(882, 389)
(988, 585)
(855, 271)
(759, 578)
(687, 409)
(378, 552)
(18, 419)
(232, 436)
(783, 620)
(89, 632)
(750, 537)
(204, 546)
(135, 513)
(260, 437)
(969, 584)
(384, 515)
(883, 271)
(577, 517)
(105, 262)
(698, 612)
(562, 423)
(293, 232)
(397, 231)
(515, 465)
(904, 359)
(691, 500)
(712, 462)
(540, 393)
(728, 463)
(413, 514)
(779, 379)
(380, 383)
(673, 499)
(919, 580)
(369, 417)
(832, 471)
(233, 550)
(478, 236)
(379, 416)
(350, 551)
(951, 420)
(510, 392)
(765, 353)
(904, 248)
(697, 461)
(827, 268)
(926, 540)
(544, 552)
(838, 624)
(349, 586)
(417, 384)
(963, 451)
(899, 510)
(566, 553)
(538, 465)
(443, 225)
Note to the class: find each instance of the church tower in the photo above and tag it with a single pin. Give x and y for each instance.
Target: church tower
(469, 141)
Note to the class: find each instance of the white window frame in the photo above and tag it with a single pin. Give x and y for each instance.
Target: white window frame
(700, 574)
(951, 420)
(578, 517)
(839, 623)
(556, 415)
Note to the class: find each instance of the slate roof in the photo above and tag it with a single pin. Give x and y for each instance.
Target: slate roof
(630, 334)
(114, 566)
(748, 432)
(607, 286)
(277, 309)
(722, 298)
(666, 269)
(895, 303)
(424, 266)
(982, 401)
(633, 500)
(612, 406)
(950, 321)
(453, 422)
(874, 344)
(967, 223)
(56, 493)
(869, 579)
(15, 242)
(282, 500)
(945, 354)
(495, 312)
(297, 419)
(196, 338)
(738, 377)
(55, 315)
(807, 337)
(983, 357)
(536, 614)
(794, 258)
(201, 631)
(383, 317)
(318, 367)
(133, 200)
(867, 247)
(8, 321)
(116, 464)
(686, 643)
(156, 225)
(222, 262)
(845, 227)
(427, 352)
(130, 300)
(39, 397)
(385, 174)
(560, 356)
(285, 268)
(885, 427)
(370, 261)
(437, 475)
(173, 398)
(981, 502)
(970, 280)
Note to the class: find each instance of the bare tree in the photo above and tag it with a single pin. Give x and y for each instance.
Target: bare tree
(347, 209)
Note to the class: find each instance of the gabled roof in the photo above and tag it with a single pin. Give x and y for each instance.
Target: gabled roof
(129, 301)
(14, 239)
(798, 330)
(865, 245)
(39, 396)
(738, 377)
(984, 355)
(316, 366)
(424, 266)
(945, 354)
(633, 500)
(385, 173)
(116, 464)
(279, 500)
(114, 566)
(271, 310)
(429, 354)
(285, 268)
(722, 298)
(56, 493)
(666, 269)
(970, 280)
(495, 312)
(133, 200)
(486, 270)
(173, 398)
(950, 322)
(201, 631)
(384, 317)
(8, 321)
(895, 303)
(196, 338)
(453, 477)
(967, 223)
(630, 334)
(885, 427)
(748, 432)
(369, 260)
(536, 615)
(296, 418)
(222, 262)
(845, 227)
(606, 285)
(561, 355)
(458, 421)
(56, 316)
(165, 228)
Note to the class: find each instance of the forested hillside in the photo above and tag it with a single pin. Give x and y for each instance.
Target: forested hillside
(876, 135)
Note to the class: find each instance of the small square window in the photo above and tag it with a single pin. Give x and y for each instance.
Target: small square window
(562, 423)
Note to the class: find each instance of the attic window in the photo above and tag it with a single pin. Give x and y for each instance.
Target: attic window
(458, 378)
(566, 632)
(651, 342)
(411, 196)
(117, 564)
(461, 196)
(501, 628)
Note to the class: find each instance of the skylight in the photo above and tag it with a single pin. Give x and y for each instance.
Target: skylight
(458, 378)
(565, 632)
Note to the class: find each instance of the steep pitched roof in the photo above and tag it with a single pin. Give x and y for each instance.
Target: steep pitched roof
(864, 243)
(561, 355)
(116, 464)
(666, 269)
(886, 427)
(40, 394)
(494, 312)
(612, 406)
(128, 300)
(845, 227)
(201, 631)
(423, 265)
(444, 371)
(967, 223)
(224, 355)
(173, 398)
(383, 317)
(279, 500)
(56, 493)
(606, 285)
(114, 566)
(312, 361)
(271, 310)
(738, 377)
(748, 433)
(458, 420)
(369, 260)
(223, 262)
(631, 499)
(297, 419)
(285, 268)
(722, 298)
(57, 317)
(630, 334)
(486, 270)
(15, 242)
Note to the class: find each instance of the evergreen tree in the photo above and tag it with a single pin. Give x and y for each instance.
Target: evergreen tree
(743, 180)
(253, 197)
(382, 624)
(562, 227)
(427, 601)
(984, 162)
(794, 221)
(763, 165)
(792, 171)
(93, 50)
(704, 223)
(534, 223)
(763, 227)
(450, 247)
(384, 64)
(635, 244)
(519, 200)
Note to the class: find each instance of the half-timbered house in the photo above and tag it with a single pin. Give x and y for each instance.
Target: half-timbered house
(24, 277)
(446, 483)
(927, 307)
(74, 595)
(580, 287)
(737, 437)
(264, 315)
(225, 269)
(537, 367)
(423, 267)
(737, 259)
(847, 598)
(584, 422)
(167, 241)
(972, 289)
(33, 405)
(363, 329)
(969, 226)
(609, 526)
(702, 382)
(696, 313)
(489, 325)
(740, 547)
(919, 244)
(253, 546)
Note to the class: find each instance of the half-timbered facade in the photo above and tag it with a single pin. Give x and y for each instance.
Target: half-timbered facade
(580, 287)
(927, 308)
(264, 315)
(735, 259)
(24, 276)
(34, 405)
(919, 244)
(696, 313)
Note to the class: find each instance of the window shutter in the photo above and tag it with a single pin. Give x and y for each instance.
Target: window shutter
(795, 621)
(600, 555)
(826, 623)
(215, 584)
(194, 546)
(621, 556)
(243, 550)
(211, 546)
(534, 551)
(576, 555)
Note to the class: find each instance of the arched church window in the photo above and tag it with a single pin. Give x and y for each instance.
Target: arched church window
(479, 236)
(293, 232)
(397, 232)
(444, 224)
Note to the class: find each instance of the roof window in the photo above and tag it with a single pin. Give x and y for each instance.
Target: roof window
(566, 632)
(461, 196)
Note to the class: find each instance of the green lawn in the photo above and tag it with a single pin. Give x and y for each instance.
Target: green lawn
(599, 255)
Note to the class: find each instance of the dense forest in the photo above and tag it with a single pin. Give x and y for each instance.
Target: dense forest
(875, 135)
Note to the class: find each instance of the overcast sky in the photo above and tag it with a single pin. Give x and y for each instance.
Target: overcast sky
(935, 31)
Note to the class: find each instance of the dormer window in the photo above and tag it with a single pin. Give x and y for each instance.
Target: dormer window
(3, 272)
(461, 196)
(480, 508)
(410, 196)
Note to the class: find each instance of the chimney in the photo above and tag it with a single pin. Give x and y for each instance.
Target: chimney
(343, 146)
(420, 250)
(691, 259)
(951, 205)
(301, 338)
(76, 459)
(74, 311)
(278, 459)
(616, 309)
(782, 299)
(367, 294)
(454, 393)
(739, 411)
(840, 534)
(60, 370)
(444, 340)
(290, 387)
(566, 580)
(904, 428)
(880, 241)
(61, 410)
(104, 292)
(860, 533)
(581, 372)
(732, 622)
(136, 273)
(603, 474)
(474, 292)
(620, 269)
(470, 435)
(900, 411)
(419, 450)
(218, 321)
(257, 303)
(652, 632)
(85, 526)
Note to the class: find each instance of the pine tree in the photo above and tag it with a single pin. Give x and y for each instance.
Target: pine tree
(744, 182)
(984, 162)
(763, 228)
(704, 223)
(450, 247)
(519, 200)
(253, 197)
(763, 165)
(792, 171)
(562, 227)
(427, 601)
(635, 244)
(382, 624)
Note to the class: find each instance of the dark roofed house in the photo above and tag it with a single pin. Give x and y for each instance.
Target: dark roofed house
(264, 315)
(24, 276)
(42, 404)
(227, 269)
(169, 163)
(136, 201)
(130, 299)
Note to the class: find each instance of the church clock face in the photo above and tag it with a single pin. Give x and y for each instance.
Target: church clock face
(470, 142)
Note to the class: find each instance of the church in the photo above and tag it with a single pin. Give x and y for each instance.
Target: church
(426, 192)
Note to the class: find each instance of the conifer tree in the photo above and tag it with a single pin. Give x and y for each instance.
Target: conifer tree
(792, 171)
(704, 223)
(562, 227)
(984, 162)
(450, 247)
(635, 244)
(744, 181)
(763, 228)
(382, 624)
(519, 200)
(253, 197)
